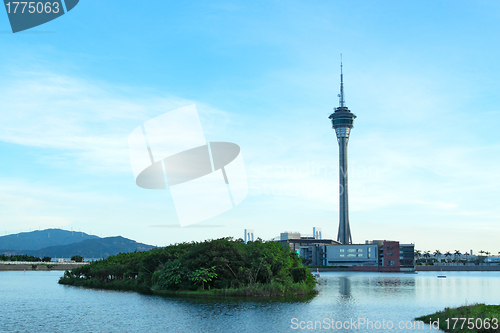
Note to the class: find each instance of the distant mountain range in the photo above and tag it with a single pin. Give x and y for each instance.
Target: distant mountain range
(57, 243)
(36, 240)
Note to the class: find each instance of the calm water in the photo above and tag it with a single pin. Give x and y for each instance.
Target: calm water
(34, 302)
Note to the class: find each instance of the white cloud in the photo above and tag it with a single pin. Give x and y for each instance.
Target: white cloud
(88, 122)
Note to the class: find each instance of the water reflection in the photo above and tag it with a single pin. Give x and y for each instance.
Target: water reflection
(368, 287)
(345, 287)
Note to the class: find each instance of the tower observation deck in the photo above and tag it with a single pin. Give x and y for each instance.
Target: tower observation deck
(342, 120)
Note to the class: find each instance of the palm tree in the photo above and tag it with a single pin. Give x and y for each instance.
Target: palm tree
(447, 254)
(466, 254)
(482, 251)
(427, 254)
(417, 254)
(437, 253)
(457, 254)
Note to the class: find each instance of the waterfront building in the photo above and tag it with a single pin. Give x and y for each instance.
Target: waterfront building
(493, 259)
(352, 255)
(375, 255)
(407, 256)
(311, 248)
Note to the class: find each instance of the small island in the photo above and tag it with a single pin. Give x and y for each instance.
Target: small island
(224, 267)
(470, 318)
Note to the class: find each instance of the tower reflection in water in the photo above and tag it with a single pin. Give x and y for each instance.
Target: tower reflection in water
(345, 287)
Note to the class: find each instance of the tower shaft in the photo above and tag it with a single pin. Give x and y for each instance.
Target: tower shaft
(344, 234)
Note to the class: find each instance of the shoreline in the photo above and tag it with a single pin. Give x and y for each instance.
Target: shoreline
(40, 267)
(255, 291)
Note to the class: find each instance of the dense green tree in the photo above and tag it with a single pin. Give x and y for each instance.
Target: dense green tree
(77, 258)
(203, 275)
(24, 257)
(170, 276)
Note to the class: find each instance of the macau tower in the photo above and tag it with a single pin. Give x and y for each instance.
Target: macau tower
(342, 120)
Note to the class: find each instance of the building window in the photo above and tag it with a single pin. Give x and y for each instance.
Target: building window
(360, 254)
(391, 262)
(389, 248)
(342, 255)
(369, 249)
(342, 250)
(351, 255)
(390, 254)
(360, 250)
(351, 250)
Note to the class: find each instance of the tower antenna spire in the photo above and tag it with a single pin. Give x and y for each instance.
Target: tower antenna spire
(341, 95)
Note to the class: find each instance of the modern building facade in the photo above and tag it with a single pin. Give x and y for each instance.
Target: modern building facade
(352, 255)
(407, 257)
(342, 122)
(388, 255)
(493, 259)
(376, 255)
(310, 248)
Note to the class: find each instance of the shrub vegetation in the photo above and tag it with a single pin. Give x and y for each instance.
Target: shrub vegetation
(19, 257)
(483, 318)
(217, 267)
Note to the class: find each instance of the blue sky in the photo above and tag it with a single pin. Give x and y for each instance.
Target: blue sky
(422, 77)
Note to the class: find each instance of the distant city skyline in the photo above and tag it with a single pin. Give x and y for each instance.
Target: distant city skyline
(421, 76)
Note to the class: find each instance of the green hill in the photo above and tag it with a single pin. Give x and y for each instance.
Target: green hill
(57, 243)
(39, 239)
(93, 248)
